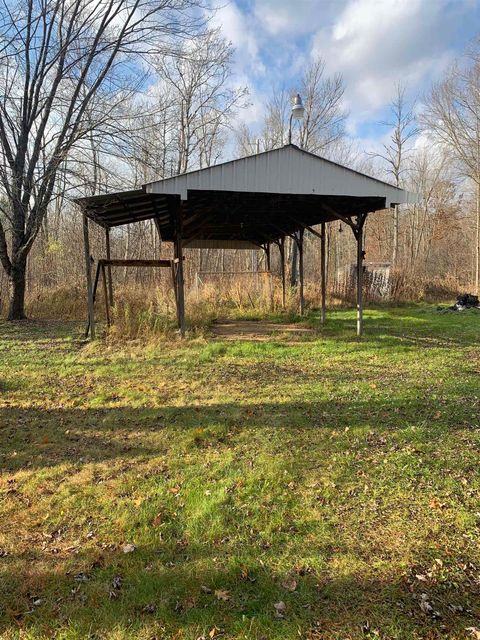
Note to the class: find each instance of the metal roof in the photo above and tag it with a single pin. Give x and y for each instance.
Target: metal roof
(287, 170)
(124, 207)
(249, 201)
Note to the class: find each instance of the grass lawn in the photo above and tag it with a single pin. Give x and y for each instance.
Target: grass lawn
(316, 487)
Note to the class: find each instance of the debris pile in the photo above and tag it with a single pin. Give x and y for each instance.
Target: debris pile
(466, 301)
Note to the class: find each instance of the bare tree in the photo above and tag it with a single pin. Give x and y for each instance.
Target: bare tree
(452, 115)
(275, 127)
(66, 68)
(429, 177)
(348, 152)
(203, 101)
(151, 151)
(245, 142)
(397, 151)
(323, 125)
(321, 129)
(325, 116)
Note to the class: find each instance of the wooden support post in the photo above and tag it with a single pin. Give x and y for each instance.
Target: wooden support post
(159, 234)
(95, 285)
(359, 282)
(323, 274)
(175, 279)
(269, 275)
(300, 270)
(105, 294)
(358, 230)
(179, 271)
(109, 268)
(281, 247)
(88, 272)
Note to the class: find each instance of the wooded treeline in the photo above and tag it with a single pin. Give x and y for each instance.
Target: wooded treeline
(104, 95)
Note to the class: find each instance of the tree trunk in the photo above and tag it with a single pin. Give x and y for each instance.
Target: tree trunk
(477, 243)
(17, 279)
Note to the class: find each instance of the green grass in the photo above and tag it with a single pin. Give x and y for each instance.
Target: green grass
(338, 476)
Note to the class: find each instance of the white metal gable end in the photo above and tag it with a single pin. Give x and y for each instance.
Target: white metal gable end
(288, 170)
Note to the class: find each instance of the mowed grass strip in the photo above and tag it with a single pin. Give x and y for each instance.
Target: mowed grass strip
(323, 487)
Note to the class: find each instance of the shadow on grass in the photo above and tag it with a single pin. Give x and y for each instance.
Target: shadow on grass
(167, 588)
(188, 590)
(411, 327)
(384, 327)
(414, 330)
(39, 330)
(36, 438)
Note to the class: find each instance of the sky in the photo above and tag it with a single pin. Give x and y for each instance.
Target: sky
(374, 44)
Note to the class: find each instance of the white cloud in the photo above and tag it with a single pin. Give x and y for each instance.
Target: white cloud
(242, 30)
(424, 141)
(239, 29)
(377, 44)
(293, 18)
(374, 44)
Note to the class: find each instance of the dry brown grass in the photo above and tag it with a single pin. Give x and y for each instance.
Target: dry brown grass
(412, 288)
(149, 311)
(404, 288)
(57, 303)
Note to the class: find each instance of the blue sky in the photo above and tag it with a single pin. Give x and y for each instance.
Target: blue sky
(372, 43)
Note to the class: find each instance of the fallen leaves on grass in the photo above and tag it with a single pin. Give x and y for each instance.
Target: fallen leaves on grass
(280, 608)
(220, 594)
(427, 608)
(185, 605)
(81, 577)
(290, 584)
(116, 586)
(425, 605)
(128, 548)
(246, 575)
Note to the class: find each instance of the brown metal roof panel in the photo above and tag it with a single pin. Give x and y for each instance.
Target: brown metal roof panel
(124, 207)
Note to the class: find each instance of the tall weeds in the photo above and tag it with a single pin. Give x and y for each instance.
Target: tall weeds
(148, 311)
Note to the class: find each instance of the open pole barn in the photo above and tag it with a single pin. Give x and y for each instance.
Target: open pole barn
(250, 203)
